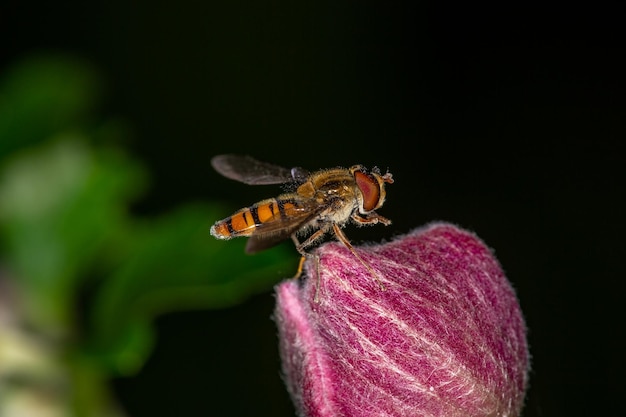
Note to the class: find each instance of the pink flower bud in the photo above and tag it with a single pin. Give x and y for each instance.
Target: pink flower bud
(445, 338)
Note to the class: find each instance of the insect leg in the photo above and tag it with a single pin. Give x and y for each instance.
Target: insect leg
(310, 240)
(300, 247)
(343, 239)
(370, 218)
(300, 267)
(303, 254)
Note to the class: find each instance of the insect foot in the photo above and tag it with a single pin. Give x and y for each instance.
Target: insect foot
(446, 338)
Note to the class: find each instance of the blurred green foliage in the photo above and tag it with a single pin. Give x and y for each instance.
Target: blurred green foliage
(43, 95)
(86, 275)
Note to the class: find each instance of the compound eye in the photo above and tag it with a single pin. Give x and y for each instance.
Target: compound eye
(370, 189)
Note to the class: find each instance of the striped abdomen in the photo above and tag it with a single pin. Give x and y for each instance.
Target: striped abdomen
(271, 212)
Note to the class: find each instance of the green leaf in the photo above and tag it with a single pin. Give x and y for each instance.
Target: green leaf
(61, 205)
(43, 95)
(176, 265)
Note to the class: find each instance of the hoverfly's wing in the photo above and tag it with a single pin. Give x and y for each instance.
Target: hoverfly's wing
(252, 172)
(271, 233)
(257, 243)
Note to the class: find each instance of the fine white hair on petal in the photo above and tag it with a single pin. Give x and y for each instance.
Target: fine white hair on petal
(445, 338)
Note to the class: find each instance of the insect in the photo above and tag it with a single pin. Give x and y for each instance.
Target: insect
(322, 202)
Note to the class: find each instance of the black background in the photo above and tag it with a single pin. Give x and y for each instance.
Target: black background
(508, 120)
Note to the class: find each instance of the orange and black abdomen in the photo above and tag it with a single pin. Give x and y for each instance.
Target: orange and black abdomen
(247, 220)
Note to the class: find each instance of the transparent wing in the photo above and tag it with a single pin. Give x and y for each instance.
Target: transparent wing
(273, 232)
(257, 243)
(250, 171)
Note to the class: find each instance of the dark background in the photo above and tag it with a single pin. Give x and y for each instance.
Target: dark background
(507, 120)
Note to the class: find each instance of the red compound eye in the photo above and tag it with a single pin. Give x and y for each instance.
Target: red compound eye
(369, 188)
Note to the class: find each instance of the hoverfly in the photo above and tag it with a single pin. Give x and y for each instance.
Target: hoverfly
(323, 202)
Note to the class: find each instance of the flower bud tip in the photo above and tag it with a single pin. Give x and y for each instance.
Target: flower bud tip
(446, 337)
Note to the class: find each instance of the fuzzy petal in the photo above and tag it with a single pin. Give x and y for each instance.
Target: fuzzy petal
(445, 338)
